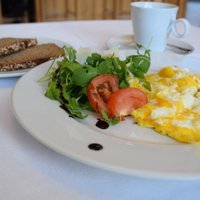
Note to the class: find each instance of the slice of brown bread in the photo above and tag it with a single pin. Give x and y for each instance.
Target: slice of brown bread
(30, 57)
(10, 45)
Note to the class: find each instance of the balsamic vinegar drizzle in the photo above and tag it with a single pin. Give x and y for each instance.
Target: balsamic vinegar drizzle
(95, 146)
(102, 124)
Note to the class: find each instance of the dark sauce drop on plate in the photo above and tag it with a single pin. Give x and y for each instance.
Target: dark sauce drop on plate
(102, 124)
(95, 146)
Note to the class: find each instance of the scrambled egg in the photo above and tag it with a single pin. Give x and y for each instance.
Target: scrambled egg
(174, 104)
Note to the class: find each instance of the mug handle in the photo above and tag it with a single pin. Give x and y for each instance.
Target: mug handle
(186, 25)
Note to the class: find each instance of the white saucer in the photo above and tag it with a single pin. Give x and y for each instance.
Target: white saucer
(126, 42)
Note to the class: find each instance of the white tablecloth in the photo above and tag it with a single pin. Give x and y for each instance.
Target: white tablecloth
(193, 12)
(29, 170)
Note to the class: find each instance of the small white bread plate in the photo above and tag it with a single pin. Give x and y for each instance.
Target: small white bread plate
(20, 72)
(127, 148)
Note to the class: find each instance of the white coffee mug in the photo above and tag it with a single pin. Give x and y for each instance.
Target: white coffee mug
(153, 22)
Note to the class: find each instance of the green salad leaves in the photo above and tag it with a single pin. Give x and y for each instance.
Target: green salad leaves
(67, 82)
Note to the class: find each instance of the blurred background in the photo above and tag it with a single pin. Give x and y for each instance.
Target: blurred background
(22, 11)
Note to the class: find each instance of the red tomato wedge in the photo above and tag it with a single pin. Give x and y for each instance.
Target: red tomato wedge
(124, 101)
(99, 90)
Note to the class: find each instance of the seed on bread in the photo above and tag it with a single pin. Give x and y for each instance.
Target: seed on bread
(10, 45)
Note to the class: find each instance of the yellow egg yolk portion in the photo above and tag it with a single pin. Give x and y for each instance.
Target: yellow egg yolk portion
(174, 104)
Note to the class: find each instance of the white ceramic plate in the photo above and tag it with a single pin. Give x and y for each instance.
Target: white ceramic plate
(20, 72)
(127, 148)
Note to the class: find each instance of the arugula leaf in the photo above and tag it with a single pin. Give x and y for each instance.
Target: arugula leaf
(76, 109)
(73, 66)
(71, 53)
(94, 59)
(81, 76)
(105, 67)
(138, 66)
(139, 62)
(110, 120)
(53, 92)
(145, 84)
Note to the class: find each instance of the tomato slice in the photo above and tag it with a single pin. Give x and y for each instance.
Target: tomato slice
(124, 101)
(99, 90)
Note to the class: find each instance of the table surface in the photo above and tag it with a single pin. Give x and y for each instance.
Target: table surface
(192, 12)
(29, 170)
